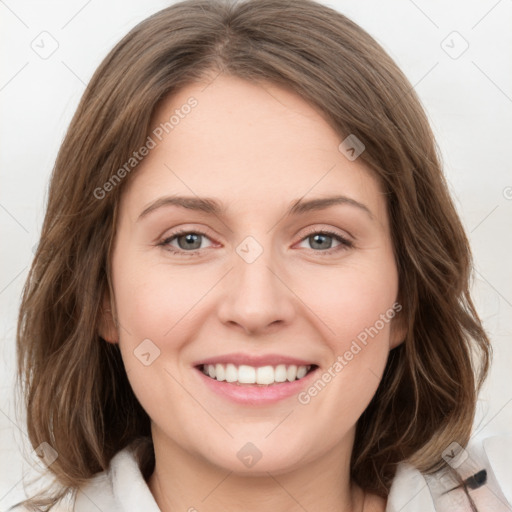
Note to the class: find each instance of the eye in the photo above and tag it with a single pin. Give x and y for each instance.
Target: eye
(188, 242)
(322, 240)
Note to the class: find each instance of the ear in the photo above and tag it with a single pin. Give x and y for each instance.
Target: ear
(399, 327)
(107, 325)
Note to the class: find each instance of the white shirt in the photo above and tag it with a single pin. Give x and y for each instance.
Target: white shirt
(122, 487)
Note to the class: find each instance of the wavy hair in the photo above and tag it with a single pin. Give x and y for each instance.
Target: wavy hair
(77, 396)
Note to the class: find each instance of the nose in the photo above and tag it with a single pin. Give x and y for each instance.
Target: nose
(256, 296)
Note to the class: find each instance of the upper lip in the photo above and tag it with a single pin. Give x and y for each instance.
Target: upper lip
(253, 360)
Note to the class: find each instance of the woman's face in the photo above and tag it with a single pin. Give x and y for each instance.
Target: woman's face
(252, 287)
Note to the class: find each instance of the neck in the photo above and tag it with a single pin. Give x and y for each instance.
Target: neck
(183, 481)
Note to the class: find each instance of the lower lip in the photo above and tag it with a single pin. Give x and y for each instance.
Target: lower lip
(254, 394)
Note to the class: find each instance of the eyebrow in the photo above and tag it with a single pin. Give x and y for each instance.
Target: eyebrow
(212, 206)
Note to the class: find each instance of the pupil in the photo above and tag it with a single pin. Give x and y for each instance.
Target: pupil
(190, 239)
(319, 244)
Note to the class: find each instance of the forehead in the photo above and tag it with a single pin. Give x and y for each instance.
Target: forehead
(249, 145)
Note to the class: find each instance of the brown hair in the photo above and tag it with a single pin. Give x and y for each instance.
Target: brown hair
(77, 394)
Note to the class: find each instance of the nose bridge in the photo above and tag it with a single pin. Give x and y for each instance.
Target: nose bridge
(256, 296)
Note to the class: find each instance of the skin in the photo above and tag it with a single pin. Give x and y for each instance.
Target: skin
(256, 148)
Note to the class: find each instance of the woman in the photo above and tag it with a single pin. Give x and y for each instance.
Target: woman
(251, 290)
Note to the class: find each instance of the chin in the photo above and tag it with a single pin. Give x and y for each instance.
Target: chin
(259, 454)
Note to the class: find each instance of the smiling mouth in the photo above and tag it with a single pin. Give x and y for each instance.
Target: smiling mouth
(244, 375)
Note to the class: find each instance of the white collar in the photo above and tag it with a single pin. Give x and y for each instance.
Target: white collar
(120, 489)
(123, 489)
(410, 491)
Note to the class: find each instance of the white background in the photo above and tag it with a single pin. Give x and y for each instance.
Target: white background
(468, 100)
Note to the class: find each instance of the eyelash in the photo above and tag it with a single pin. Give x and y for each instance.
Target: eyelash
(344, 242)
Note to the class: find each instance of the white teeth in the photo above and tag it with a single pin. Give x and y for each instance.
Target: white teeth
(264, 375)
(280, 373)
(220, 373)
(231, 373)
(246, 374)
(291, 373)
(301, 372)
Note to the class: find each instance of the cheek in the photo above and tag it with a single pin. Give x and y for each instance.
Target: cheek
(154, 309)
(355, 362)
(152, 299)
(356, 306)
(352, 299)
(158, 308)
